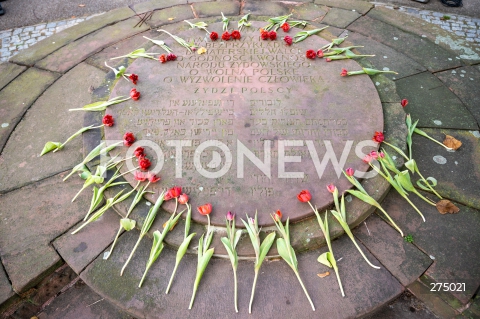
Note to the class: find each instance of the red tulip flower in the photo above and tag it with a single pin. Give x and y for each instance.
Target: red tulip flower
(272, 35)
(214, 36)
(128, 139)
(310, 54)
(344, 72)
(134, 94)
(144, 163)
(304, 196)
(404, 102)
(374, 154)
(162, 58)
(152, 178)
(285, 27)
(205, 209)
(278, 216)
(378, 137)
(183, 199)
(139, 152)
(288, 40)
(367, 159)
(328, 60)
(264, 34)
(226, 36)
(139, 176)
(236, 35)
(108, 120)
(171, 57)
(320, 53)
(349, 171)
(230, 216)
(331, 188)
(134, 78)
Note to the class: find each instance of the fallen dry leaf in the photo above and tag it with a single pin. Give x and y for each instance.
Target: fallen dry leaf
(452, 142)
(170, 19)
(81, 5)
(202, 50)
(445, 206)
(325, 274)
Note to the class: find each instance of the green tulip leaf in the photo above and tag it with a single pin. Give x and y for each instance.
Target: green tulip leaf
(324, 259)
(50, 146)
(127, 223)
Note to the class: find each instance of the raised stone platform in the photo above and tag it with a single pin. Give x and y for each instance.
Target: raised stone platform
(74, 64)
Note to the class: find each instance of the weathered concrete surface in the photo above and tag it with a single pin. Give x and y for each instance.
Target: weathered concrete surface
(18, 96)
(464, 83)
(463, 49)
(364, 286)
(67, 57)
(308, 11)
(265, 8)
(340, 18)
(457, 173)
(422, 50)
(156, 5)
(48, 120)
(208, 9)
(402, 259)
(170, 15)
(358, 6)
(385, 57)
(448, 239)
(31, 218)
(79, 301)
(81, 249)
(58, 40)
(433, 104)
(9, 71)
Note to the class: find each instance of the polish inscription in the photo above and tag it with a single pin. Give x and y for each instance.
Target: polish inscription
(256, 93)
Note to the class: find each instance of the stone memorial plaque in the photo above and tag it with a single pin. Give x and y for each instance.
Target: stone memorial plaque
(249, 124)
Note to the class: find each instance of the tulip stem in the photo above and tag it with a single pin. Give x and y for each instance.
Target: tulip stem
(418, 211)
(131, 254)
(235, 287)
(428, 184)
(253, 291)
(171, 278)
(305, 290)
(195, 286)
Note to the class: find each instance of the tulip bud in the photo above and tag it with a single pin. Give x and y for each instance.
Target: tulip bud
(183, 199)
(349, 171)
(278, 216)
(230, 216)
(331, 188)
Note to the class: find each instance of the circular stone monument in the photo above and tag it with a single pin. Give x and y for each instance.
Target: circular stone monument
(248, 124)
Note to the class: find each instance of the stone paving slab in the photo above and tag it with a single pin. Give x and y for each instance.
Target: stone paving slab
(340, 18)
(81, 249)
(457, 173)
(309, 11)
(81, 302)
(265, 8)
(405, 261)
(208, 9)
(156, 5)
(74, 53)
(422, 50)
(121, 48)
(451, 240)
(464, 83)
(386, 88)
(385, 57)
(31, 218)
(20, 163)
(58, 40)
(171, 15)
(364, 286)
(439, 306)
(9, 72)
(6, 291)
(430, 101)
(361, 7)
(464, 50)
(18, 96)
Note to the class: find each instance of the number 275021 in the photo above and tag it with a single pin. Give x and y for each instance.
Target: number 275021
(447, 286)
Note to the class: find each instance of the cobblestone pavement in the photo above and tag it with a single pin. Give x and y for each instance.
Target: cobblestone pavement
(14, 40)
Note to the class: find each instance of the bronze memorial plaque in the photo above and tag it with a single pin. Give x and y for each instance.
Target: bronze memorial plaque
(249, 124)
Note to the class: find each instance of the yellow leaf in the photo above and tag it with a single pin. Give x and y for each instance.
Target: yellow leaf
(202, 50)
(325, 274)
(170, 19)
(452, 142)
(445, 206)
